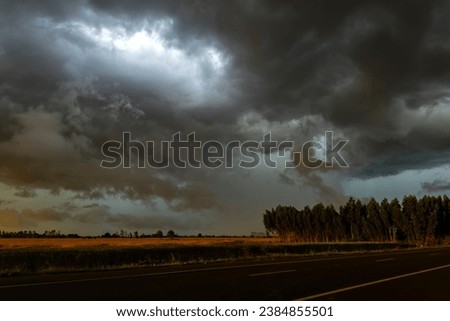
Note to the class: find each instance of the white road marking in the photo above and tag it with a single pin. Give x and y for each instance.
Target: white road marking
(315, 296)
(385, 260)
(275, 272)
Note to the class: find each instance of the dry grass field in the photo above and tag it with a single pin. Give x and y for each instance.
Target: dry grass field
(29, 256)
(76, 243)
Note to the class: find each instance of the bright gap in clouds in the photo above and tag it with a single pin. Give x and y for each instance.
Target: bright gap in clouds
(149, 39)
(147, 54)
(320, 147)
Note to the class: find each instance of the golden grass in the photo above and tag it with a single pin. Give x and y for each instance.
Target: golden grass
(24, 243)
(28, 256)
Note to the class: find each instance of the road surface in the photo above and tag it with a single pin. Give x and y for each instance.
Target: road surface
(397, 275)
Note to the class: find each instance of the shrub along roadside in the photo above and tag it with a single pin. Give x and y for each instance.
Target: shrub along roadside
(28, 261)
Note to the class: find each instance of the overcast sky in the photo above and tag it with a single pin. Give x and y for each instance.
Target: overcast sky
(76, 74)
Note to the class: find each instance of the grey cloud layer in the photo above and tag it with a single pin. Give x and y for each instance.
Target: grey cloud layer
(376, 72)
(93, 215)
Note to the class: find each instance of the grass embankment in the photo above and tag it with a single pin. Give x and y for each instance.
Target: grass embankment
(26, 256)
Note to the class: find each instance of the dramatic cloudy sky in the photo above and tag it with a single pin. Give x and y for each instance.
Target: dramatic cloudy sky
(76, 74)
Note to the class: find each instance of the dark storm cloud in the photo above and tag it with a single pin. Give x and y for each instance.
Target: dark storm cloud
(100, 214)
(397, 164)
(285, 179)
(90, 215)
(4, 202)
(436, 186)
(25, 192)
(12, 218)
(365, 69)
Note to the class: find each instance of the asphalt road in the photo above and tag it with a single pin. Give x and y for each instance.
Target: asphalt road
(398, 275)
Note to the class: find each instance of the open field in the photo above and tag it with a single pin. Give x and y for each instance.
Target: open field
(69, 243)
(28, 256)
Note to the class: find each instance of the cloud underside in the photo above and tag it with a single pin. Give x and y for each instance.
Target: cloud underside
(76, 74)
(95, 215)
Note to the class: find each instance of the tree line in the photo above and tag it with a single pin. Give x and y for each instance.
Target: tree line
(58, 234)
(34, 234)
(423, 221)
